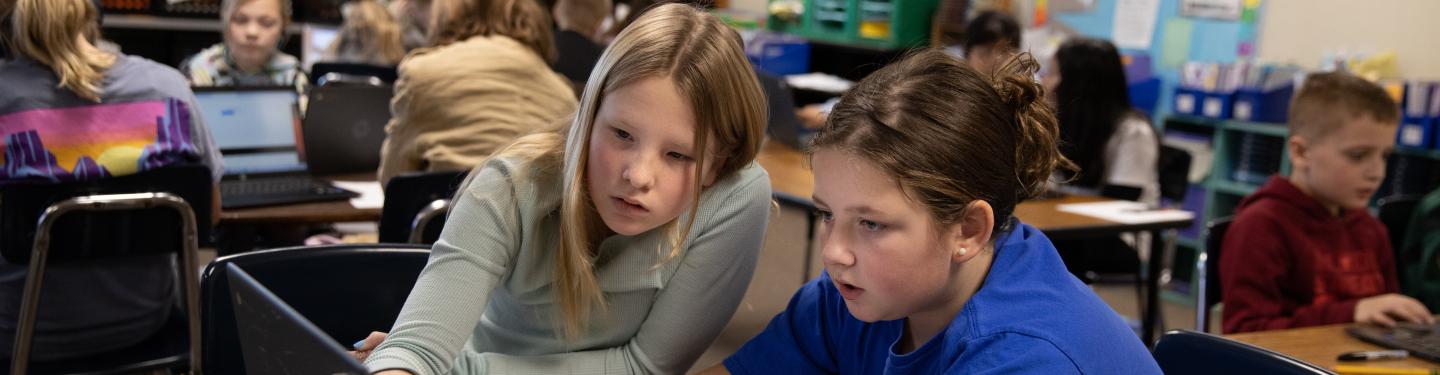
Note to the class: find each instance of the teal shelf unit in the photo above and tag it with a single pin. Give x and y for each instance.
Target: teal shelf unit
(874, 24)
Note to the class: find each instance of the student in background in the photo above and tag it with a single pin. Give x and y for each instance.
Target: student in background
(369, 35)
(916, 176)
(990, 38)
(1420, 253)
(94, 112)
(620, 243)
(486, 81)
(414, 18)
(1112, 142)
(578, 37)
(1303, 250)
(250, 54)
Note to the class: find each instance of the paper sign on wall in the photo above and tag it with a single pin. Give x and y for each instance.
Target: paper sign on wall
(1134, 23)
(1229, 10)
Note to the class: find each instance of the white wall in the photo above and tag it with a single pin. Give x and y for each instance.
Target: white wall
(757, 6)
(1300, 31)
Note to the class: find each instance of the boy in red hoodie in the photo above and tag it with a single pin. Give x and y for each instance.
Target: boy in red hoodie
(1303, 250)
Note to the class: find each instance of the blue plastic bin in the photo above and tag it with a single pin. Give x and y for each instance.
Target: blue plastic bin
(780, 56)
(1263, 106)
(1416, 132)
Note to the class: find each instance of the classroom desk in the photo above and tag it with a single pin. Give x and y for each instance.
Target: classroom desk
(792, 183)
(1320, 345)
(305, 213)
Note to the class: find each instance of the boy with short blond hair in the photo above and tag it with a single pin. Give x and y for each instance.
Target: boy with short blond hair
(1303, 250)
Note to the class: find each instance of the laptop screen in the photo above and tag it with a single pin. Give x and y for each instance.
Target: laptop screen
(255, 129)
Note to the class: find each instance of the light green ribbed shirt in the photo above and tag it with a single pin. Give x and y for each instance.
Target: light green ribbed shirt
(484, 302)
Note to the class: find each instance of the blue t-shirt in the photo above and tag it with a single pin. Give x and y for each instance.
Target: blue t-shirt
(1030, 316)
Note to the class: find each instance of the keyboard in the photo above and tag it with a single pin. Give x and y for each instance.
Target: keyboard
(1422, 341)
(270, 191)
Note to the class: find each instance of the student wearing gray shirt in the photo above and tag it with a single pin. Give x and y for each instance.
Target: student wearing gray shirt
(97, 115)
(620, 243)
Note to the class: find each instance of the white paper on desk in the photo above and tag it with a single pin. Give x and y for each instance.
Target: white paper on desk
(1125, 212)
(819, 82)
(370, 194)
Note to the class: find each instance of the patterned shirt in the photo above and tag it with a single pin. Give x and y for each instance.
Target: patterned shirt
(215, 67)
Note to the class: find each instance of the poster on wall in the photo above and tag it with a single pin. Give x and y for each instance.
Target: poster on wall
(1134, 23)
(1228, 10)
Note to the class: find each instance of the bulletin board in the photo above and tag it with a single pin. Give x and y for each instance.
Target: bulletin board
(1176, 38)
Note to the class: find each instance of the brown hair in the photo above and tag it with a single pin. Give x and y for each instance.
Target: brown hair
(1328, 100)
(370, 33)
(951, 135)
(706, 61)
(581, 16)
(55, 34)
(525, 21)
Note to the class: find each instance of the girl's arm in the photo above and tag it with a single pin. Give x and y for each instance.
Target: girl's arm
(474, 251)
(693, 306)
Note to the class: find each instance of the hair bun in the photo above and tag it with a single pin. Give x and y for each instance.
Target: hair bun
(1015, 82)
(1037, 152)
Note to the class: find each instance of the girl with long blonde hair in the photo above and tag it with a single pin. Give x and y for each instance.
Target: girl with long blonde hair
(619, 243)
(69, 113)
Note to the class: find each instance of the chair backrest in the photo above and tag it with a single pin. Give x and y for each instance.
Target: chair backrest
(346, 290)
(1182, 352)
(145, 213)
(407, 195)
(386, 74)
(1396, 212)
(1207, 271)
(1174, 165)
(101, 234)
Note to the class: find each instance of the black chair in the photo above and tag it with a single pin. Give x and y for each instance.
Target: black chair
(164, 211)
(346, 290)
(1181, 352)
(811, 214)
(416, 205)
(1207, 272)
(1395, 212)
(386, 74)
(1174, 173)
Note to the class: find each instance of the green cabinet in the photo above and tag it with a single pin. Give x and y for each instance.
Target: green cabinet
(879, 24)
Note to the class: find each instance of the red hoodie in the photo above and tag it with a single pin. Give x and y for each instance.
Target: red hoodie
(1289, 263)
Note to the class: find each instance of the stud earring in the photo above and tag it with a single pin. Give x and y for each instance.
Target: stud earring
(962, 251)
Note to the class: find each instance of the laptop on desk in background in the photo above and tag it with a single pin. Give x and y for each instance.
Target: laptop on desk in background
(257, 132)
(344, 128)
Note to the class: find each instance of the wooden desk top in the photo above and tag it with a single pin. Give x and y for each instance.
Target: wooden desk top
(1320, 345)
(790, 174)
(320, 212)
(788, 168)
(314, 213)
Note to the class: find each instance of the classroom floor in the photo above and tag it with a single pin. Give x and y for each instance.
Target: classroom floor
(779, 273)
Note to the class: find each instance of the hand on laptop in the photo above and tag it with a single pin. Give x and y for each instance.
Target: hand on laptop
(1386, 309)
(364, 347)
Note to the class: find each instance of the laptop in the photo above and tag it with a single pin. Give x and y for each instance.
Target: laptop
(1422, 341)
(256, 130)
(275, 339)
(344, 128)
